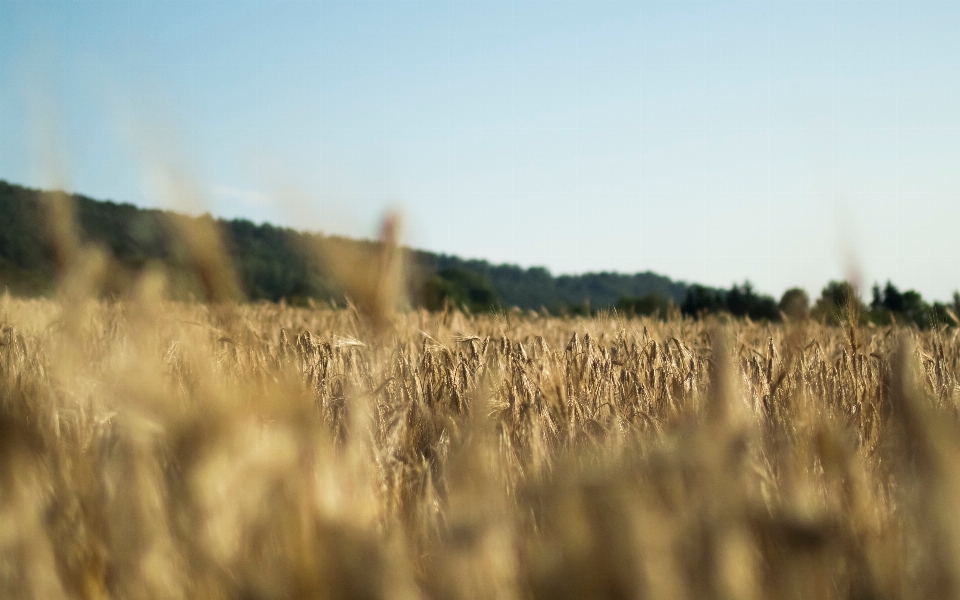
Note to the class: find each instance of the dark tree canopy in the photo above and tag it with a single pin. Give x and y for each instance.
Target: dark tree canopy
(277, 263)
(650, 305)
(739, 301)
(795, 303)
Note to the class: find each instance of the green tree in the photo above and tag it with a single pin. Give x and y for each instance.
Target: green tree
(890, 304)
(461, 288)
(743, 301)
(650, 305)
(838, 304)
(795, 303)
(701, 300)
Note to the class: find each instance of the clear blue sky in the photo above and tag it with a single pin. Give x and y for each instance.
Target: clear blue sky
(710, 141)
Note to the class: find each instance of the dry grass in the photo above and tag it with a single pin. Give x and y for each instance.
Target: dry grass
(158, 450)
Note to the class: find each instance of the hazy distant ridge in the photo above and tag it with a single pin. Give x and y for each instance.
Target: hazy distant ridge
(271, 261)
(536, 287)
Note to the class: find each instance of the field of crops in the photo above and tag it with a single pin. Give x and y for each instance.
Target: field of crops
(157, 450)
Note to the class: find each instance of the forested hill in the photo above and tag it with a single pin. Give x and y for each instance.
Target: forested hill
(536, 287)
(276, 263)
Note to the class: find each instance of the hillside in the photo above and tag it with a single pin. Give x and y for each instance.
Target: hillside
(275, 263)
(535, 287)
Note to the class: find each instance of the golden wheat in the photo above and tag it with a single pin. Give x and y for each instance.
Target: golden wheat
(151, 449)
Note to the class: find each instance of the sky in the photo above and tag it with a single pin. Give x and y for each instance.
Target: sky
(784, 142)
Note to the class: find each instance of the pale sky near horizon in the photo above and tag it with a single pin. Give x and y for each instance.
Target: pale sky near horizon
(784, 142)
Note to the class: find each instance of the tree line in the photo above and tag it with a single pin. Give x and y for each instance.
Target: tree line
(839, 303)
(277, 263)
(282, 264)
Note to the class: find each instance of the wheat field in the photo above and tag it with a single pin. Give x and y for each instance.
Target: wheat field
(152, 449)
